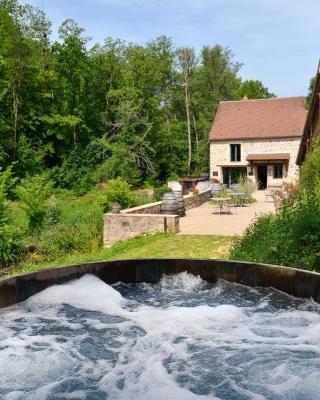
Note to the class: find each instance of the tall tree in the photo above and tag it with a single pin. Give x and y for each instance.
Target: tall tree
(214, 79)
(84, 114)
(310, 92)
(254, 90)
(72, 63)
(187, 63)
(15, 54)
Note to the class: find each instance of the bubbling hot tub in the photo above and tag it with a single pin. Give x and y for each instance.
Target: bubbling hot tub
(161, 329)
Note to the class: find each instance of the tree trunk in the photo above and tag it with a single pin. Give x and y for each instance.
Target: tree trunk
(15, 121)
(186, 86)
(74, 134)
(169, 133)
(195, 129)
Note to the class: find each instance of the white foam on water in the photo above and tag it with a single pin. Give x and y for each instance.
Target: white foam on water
(84, 340)
(88, 292)
(183, 281)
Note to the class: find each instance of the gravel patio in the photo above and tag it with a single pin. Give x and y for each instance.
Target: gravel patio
(203, 220)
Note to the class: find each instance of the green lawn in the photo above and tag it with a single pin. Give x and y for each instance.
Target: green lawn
(190, 246)
(150, 246)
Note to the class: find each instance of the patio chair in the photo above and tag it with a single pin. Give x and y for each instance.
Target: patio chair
(231, 207)
(228, 207)
(269, 194)
(216, 188)
(221, 208)
(235, 187)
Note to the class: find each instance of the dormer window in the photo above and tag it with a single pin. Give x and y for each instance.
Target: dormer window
(235, 152)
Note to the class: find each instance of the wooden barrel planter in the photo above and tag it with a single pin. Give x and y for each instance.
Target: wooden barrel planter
(169, 204)
(181, 204)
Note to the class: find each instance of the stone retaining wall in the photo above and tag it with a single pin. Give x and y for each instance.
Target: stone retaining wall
(150, 208)
(196, 201)
(144, 219)
(154, 208)
(125, 226)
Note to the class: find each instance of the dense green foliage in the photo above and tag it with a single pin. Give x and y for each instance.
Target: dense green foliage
(83, 126)
(11, 247)
(118, 191)
(34, 194)
(310, 92)
(47, 224)
(92, 113)
(254, 90)
(292, 236)
(310, 173)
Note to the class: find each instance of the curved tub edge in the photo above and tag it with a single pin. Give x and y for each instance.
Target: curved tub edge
(296, 282)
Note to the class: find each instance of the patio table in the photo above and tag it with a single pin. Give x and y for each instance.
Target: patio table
(239, 196)
(222, 202)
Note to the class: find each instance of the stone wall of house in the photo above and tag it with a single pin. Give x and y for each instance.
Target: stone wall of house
(125, 226)
(144, 219)
(220, 155)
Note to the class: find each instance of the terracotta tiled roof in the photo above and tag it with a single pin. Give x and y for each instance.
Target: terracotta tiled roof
(268, 156)
(254, 119)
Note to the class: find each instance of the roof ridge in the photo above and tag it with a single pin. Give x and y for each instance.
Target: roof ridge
(259, 118)
(270, 98)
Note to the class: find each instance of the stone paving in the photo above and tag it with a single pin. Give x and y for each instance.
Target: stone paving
(204, 220)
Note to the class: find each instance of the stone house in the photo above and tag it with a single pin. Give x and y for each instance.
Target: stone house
(312, 125)
(257, 138)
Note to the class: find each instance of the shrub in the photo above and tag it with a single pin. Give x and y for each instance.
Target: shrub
(117, 167)
(7, 182)
(310, 173)
(173, 177)
(117, 191)
(81, 233)
(289, 195)
(75, 173)
(33, 194)
(290, 237)
(160, 191)
(3, 208)
(119, 163)
(143, 196)
(11, 247)
(53, 213)
(246, 186)
(255, 244)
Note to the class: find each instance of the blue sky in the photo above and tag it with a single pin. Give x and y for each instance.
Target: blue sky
(278, 41)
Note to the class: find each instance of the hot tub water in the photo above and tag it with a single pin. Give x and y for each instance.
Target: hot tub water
(180, 339)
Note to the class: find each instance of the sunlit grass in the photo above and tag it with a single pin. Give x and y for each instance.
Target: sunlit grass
(149, 246)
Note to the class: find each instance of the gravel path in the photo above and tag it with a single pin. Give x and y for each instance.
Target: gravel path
(204, 221)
